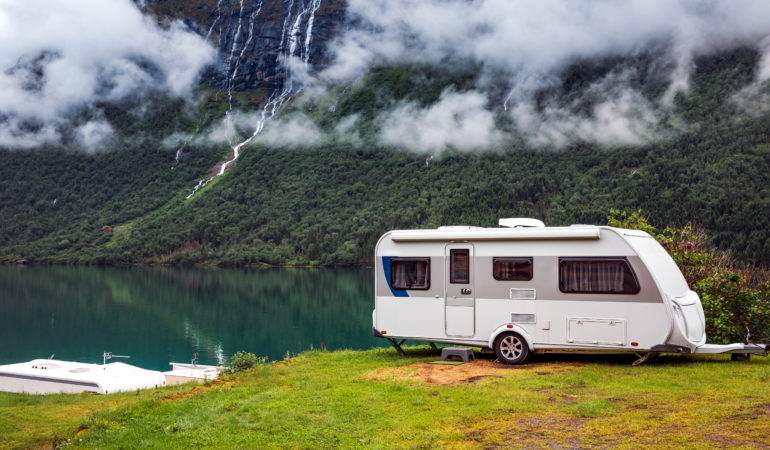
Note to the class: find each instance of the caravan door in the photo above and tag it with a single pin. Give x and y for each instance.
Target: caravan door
(460, 299)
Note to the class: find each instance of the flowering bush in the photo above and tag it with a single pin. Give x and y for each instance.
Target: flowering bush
(732, 294)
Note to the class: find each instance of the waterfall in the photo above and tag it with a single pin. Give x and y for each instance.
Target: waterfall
(285, 24)
(231, 78)
(246, 44)
(507, 99)
(309, 32)
(277, 98)
(218, 9)
(294, 32)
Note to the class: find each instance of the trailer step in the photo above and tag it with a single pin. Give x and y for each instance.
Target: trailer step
(465, 353)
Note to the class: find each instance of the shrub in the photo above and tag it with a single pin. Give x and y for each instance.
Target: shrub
(242, 361)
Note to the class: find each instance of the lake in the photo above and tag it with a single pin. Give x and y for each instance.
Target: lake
(158, 315)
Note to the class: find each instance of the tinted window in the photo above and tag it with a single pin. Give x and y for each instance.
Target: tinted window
(597, 276)
(459, 266)
(410, 273)
(512, 269)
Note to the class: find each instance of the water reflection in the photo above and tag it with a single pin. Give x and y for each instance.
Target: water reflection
(161, 315)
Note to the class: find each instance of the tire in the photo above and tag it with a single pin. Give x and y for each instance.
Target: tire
(511, 348)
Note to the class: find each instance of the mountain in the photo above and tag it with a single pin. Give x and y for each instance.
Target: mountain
(314, 126)
(253, 36)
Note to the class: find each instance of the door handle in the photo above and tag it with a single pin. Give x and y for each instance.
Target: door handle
(465, 291)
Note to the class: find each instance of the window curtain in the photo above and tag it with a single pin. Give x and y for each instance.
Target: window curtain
(409, 274)
(592, 276)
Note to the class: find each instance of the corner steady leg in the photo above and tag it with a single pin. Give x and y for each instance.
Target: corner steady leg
(643, 358)
(397, 345)
(433, 345)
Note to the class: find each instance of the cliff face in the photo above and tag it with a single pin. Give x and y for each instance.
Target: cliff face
(256, 38)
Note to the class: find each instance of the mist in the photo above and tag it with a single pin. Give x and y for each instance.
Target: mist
(58, 59)
(524, 45)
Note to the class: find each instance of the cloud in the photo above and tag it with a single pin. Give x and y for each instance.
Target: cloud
(61, 57)
(296, 130)
(763, 73)
(457, 119)
(623, 118)
(536, 36)
(93, 133)
(527, 44)
(347, 130)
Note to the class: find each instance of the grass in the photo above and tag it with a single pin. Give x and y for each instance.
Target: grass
(377, 399)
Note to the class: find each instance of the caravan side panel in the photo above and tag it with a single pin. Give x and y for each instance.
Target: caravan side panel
(405, 312)
(555, 319)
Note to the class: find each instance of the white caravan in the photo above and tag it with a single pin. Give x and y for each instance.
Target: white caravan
(525, 288)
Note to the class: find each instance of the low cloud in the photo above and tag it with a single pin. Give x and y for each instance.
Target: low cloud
(527, 45)
(623, 118)
(537, 37)
(59, 58)
(458, 119)
(296, 130)
(93, 134)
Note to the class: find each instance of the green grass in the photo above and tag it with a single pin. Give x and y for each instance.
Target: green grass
(377, 399)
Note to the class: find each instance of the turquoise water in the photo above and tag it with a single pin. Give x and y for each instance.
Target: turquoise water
(158, 315)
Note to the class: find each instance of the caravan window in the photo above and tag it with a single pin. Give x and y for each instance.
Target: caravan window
(459, 266)
(512, 269)
(597, 276)
(410, 273)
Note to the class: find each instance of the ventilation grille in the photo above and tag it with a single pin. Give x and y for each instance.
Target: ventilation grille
(522, 318)
(522, 294)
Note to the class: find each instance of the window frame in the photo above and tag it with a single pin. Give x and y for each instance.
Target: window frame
(395, 261)
(452, 279)
(623, 259)
(528, 259)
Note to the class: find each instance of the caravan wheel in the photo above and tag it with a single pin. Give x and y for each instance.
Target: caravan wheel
(511, 348)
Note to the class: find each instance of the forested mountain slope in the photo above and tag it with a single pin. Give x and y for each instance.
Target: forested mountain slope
(324, 169)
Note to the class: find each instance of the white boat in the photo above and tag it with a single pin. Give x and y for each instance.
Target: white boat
(50, 376)
(185, 372)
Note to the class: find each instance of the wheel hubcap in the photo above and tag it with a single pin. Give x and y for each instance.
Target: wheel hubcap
(511, 347)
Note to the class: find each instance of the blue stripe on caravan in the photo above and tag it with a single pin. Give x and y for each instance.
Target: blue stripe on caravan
(386, 268)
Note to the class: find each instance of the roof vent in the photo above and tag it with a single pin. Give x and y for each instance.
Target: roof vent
(520, 222)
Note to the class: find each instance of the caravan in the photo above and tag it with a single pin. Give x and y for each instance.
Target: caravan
(525, 288)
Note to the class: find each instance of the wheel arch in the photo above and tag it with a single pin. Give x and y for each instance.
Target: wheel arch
(506, 327)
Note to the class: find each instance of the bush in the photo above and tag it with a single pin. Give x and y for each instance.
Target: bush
(242, 361)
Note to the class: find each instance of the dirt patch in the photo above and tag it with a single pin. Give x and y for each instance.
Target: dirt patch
(567, 398)
(514, 430)
(471, 372)
(637, 407)
(759, 412)
(478, 378)
(198, 389)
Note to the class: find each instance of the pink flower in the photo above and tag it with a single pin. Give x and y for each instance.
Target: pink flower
(665, 244)
(690, 246)
(684, 233)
